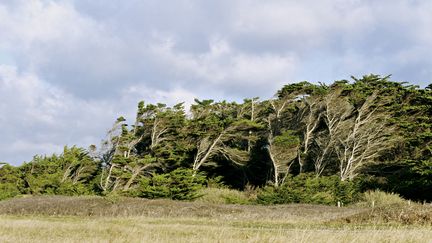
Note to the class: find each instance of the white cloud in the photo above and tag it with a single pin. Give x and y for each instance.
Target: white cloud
(69, 67)
(43, 118)
(227, 69)
(170, 97)
(27, 95)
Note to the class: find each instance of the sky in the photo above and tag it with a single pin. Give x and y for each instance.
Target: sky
(69, 68)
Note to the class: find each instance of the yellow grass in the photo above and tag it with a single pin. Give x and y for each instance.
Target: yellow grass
(144, 229)
(93, 219)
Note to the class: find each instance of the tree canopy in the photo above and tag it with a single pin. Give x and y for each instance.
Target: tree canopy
(369, 129)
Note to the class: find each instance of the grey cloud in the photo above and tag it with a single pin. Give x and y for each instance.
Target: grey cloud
(45, 118)
(92, 60)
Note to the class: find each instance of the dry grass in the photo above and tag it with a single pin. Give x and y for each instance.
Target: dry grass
(414, 214)
(143, 229)
(381, 199)
(225, 196)
(95, 219)
(126, 207)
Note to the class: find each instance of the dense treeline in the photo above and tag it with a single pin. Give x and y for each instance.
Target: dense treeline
(338, 139)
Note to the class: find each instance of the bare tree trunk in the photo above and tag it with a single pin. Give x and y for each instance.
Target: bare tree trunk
(274, 163)
(335, 110)
(77, 175)
(249, 146)
(66, 174)
(157, 132)
(105, 183)
(199, 161)
(363, 139)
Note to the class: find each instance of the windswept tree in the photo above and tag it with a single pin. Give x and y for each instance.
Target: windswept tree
(77, 165)
(164, 131)
(219, 129)
(362, 138)
(282, 145)
(305, 116)
(282, 151)
(409, 168)
(336, 109)
(121, 164)
(70, 173)
(151, 142)
(370, 126)
(250, 109)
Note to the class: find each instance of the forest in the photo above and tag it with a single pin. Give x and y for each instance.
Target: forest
(310, 143)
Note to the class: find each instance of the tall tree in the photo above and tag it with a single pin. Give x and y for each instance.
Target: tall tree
(362, 138)
(282, 145)
(219, 129)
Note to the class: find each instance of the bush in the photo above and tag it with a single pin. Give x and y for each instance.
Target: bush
(379, 198)
(10, 181)
(70, 189)
(180, 184)
(8, 190)
(224, 196)
(307, 188)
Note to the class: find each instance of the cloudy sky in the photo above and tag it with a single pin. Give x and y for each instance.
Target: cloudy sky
(68, 68)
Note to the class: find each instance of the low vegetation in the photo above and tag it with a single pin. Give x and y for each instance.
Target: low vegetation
(141, 229)
(98, 219)
(226, 196)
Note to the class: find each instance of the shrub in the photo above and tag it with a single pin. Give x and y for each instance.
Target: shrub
(10, 181)
(379, 198)
(180, 184)
(307, 188)
(224, 196)
(8, 190)
(71, 189)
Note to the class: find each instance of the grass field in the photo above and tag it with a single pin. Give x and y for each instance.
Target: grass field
(94, 219)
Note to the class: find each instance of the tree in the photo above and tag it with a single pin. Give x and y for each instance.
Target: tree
(219, 130)
(362, 138)
(253, 108)
(336, 109)
(148, 144)
(121, 164)
(282, 150)
(370, 126)
(77, 165)
(282, 146)
(307, 115)
(164, 129)
(411, 172)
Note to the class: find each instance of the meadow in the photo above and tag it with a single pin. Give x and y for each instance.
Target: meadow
(97, 219)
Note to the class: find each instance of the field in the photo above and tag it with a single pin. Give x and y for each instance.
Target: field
(95, 219)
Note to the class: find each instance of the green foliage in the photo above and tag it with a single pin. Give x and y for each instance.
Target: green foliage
(70, 189)
(287, 139)
(411, 172)
(8, 190)
(67, 174)
(372, 132)
(307, 188)
(180, 184)
(11, 182)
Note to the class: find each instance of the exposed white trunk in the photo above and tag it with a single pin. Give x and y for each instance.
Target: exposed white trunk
(205, 153)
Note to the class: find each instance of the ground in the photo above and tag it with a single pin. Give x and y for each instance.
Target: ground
(95, 219)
